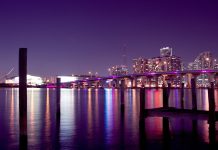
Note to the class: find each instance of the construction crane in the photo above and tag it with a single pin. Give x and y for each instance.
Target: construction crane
(7, 74)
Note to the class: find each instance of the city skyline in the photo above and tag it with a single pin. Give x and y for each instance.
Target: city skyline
(76, 37)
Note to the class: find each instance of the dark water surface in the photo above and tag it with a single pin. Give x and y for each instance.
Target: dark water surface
(92, 119)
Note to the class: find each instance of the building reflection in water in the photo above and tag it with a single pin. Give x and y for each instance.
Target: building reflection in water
(97, 106)
(90, 114)
(108, 115)
(153, 98)
(13, 115)
(92, 119)
(67, 122)
(47, 118)
(202, 97)
(111, 113)
(32, 120)
(216, 98)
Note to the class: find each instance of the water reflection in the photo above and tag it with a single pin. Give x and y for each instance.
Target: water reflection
(67, 124)
(109, 95)
(91, 119)
(13, 115)
(47, 118)
(153, 98)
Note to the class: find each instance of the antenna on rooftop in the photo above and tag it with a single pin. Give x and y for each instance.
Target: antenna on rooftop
(124, 61)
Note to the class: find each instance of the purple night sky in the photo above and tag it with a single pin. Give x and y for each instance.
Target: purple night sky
(76, 36)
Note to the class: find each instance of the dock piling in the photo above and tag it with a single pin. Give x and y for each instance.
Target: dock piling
(166, 93)
(211, 98)
(182, 96)
(23, 97)
(194, 99)
(211, 101)
(166, 133)
(122, 95)
(142, 102)
(58, 97)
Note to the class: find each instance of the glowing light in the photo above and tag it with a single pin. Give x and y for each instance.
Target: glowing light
(31, 80)
(67, 78)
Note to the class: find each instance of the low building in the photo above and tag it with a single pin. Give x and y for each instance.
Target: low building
(31, 80)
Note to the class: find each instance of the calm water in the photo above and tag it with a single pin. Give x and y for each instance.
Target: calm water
(91, 119)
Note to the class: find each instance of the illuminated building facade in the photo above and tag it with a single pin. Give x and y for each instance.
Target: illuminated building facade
(166, 52)
(31, 80)
(140, 65)
(205, 60)
(166, 62)
(118, 70)
(69, 78)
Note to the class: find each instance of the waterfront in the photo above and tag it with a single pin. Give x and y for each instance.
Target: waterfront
(92, 119)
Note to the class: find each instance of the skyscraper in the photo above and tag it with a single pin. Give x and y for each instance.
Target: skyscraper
(166, 52)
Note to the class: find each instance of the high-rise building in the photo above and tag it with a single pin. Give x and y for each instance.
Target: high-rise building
(192, 66)
(166, 52)
(167, 62)
(204, 60)
(118, 70)
(140, 65)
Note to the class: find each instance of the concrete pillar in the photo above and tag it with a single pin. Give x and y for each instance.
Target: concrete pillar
(211, 77)
(144, 81)
(89, 84)
(189, 77)
(23, 98)
(149, 80)
(156, 81)
(115, 83)
(164, 80)
(134, 83)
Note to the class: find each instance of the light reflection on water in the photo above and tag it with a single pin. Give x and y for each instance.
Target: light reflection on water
(92, 119)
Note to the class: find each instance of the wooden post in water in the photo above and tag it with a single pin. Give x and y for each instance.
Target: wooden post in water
(211, 97)
(166, 92)
(212, 117)
(182, 96)
(58, 98)
(212, 134)
(122, 94)
(166, 133)
(211, 102)
(194, 99)
(23, 97)
(58, 112)
(142, 103)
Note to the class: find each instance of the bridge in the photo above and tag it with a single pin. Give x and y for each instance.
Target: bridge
(149, 79)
